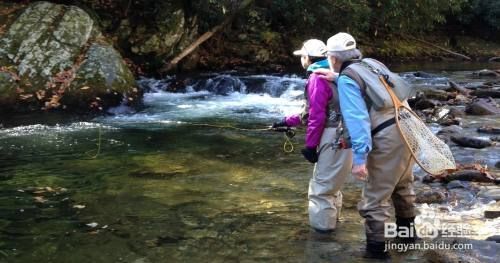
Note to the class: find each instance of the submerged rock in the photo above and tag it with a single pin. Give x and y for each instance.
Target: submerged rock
(490, 193)
(61, 60)
(486, 73)
(429, 197)
(471, 142)
(489, 130)
(450, 130)
(495, 238)
(486, 93)
(483, 107)
(455, 184)
(469, 175)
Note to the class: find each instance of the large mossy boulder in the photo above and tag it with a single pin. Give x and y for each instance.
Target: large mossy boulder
(55, 57)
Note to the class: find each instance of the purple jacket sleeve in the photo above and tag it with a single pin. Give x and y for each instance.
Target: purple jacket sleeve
(293, 120)
(319, 93)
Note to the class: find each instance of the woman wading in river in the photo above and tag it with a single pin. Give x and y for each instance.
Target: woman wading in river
(321, 114)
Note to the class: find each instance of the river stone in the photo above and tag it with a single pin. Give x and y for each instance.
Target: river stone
(490, 193)
(489, 130)
(486, 73)
(482, 107)
(468, 175)
(486, 93)
(495, 238)
(434, 196)
(60, 55)
(457, 184)
(452, 129)
(471, 142)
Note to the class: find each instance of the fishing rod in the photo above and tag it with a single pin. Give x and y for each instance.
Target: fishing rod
(288, 132)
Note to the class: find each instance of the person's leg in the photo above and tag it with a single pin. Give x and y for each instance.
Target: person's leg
(388, 163)
(403, 199)
(329, 175)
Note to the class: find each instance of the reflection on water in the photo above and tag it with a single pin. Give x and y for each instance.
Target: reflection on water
(162, 190)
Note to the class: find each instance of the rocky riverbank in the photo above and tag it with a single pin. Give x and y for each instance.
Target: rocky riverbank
(85, 57)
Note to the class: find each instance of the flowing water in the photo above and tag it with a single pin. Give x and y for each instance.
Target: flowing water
(159, 185)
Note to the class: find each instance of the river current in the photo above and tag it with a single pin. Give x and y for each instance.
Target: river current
(153, 185)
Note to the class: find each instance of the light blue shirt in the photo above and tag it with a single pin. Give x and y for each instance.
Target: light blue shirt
(318, 65)
(356, 117)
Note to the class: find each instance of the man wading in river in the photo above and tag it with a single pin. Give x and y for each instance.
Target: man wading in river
(380, 155)
(321, 114)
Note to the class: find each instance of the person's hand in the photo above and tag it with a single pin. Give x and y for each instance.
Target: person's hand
(279, 124)
(360, 172)
(310, 154)
(326, 74)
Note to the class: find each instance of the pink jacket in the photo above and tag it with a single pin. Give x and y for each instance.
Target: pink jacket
(318, 95)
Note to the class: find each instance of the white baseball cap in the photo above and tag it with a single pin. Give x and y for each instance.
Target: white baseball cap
(312, 48)
(340, 42)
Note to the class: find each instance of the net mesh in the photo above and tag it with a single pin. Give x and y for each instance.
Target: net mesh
(431, 153)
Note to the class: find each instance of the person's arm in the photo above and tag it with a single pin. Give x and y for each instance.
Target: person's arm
(319, 92)
(356, 117)
(293, 120)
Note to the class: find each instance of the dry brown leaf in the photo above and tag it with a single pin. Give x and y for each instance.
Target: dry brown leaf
(40, 94)
(25, 96)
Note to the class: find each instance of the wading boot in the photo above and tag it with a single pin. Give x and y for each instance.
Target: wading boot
(376, 250)
(408, 224)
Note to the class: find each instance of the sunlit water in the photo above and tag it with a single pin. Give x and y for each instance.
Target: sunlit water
(155, 186)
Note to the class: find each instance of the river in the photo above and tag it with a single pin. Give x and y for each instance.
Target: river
(156, 186)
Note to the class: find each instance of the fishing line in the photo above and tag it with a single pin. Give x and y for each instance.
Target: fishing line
(288, 134)
(98, 150)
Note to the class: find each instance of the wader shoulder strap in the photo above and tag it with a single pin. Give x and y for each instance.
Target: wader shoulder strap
(352, 74)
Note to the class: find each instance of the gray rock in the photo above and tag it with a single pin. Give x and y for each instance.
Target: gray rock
(483, 107)
(434, 196)
(490, 193)
(489, 130)
(486, 73)
(62, 60)
(471, 142)
(495, 238)
(486, 93)
(456, 112)
(451, 130)
(457, 184)
(469, 175)
(461, 195)
(46, 39)
(491, 214)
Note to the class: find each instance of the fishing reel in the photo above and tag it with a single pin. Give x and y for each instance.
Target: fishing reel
(288, 131)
